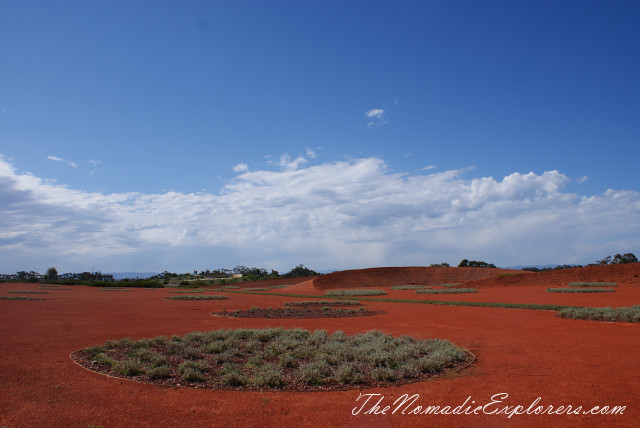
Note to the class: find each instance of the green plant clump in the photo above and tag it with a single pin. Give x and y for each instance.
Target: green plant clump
(19, 298)
(448, 291)
(362, 292)
(275, 358)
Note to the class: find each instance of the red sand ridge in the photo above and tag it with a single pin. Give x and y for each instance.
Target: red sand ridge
(390, 276)
(627, 274)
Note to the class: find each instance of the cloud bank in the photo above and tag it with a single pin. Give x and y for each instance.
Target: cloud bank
(336, 215)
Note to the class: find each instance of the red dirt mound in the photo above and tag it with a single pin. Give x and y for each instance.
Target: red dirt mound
(390, 276)
(624, 274)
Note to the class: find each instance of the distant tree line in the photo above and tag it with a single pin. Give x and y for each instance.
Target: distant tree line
(617, 259)
(474, 263)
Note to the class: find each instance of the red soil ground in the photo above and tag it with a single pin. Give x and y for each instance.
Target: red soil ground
(524, 353)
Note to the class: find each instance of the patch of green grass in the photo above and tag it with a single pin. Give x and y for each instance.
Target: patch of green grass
(410, 287)
(448, 284)
(195, 297)
(593, 284)
(448, 291)
(624, 314)
(280, 286)
(580, 290)
(20, 298)
(187, 291)
(358, 292)
(276, 358)
(256, 289)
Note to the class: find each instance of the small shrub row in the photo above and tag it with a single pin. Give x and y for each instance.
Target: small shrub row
(324, 303)
(593, 284)
(448, 291)
(624, 314)
(580, 290)
(362, 292)
(197, 297)
(20, 298)
(27, 292)
(409, 287)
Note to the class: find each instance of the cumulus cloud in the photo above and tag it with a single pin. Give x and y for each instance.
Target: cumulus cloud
(377, 116)
(335, 215)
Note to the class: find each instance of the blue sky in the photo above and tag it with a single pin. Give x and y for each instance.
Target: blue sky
(180, 135)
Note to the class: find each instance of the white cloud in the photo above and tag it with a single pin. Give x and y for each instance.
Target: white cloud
(583, 179)
(241, 167)
(377, 114)
(427, 168)
(334, 215)
(57, 159)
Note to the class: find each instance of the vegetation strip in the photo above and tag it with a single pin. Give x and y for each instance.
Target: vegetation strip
(624, 314)
(275, 359)
(580, 290)
(532, 306)
(448, 291)
(27, 292)
(324, 303)
(359, 292)
(593, 284)
(298, 312)
(197, 297)
(20, 298)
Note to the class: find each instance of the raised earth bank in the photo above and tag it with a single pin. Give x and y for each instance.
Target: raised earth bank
(390, 276)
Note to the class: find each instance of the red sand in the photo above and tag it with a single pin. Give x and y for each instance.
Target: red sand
(524, 353)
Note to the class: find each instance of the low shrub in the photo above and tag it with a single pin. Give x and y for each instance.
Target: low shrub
(361, 292)
(448, 291)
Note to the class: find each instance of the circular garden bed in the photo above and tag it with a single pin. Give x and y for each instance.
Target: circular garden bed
(274, 359)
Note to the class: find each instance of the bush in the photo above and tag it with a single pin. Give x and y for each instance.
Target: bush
(449, 291)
